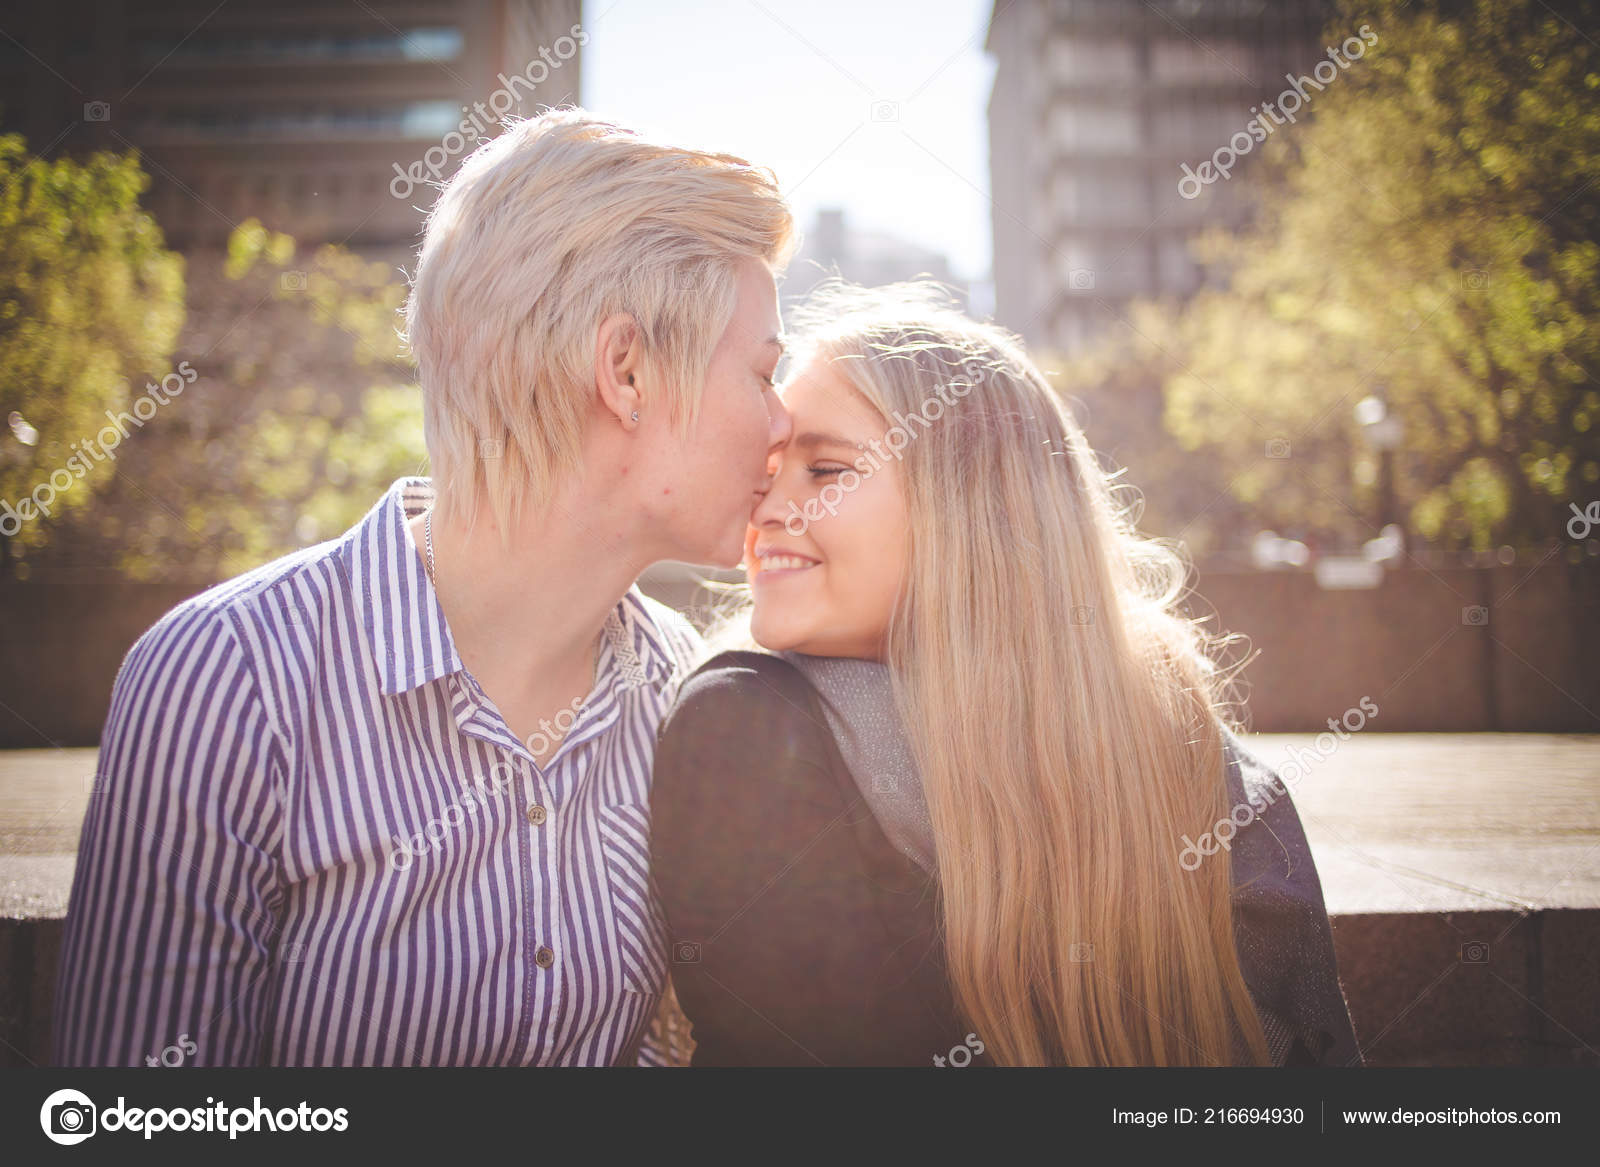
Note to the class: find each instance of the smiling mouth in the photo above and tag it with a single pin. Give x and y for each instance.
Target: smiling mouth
(767, 562)
(783, 563)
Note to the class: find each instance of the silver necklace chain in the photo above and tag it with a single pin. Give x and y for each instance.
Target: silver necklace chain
(427, 535)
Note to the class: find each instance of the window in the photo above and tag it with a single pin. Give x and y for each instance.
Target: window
(417, 119)
(1187, 61)
(1075, 59)
(416, 44)
(1094, 127)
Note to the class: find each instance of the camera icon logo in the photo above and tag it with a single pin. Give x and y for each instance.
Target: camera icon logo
(96, 111)
(1080, 279)
(1082, 615)
(1475, 280)
(68, 1117)
(1278, 448)
(292, 281)
(1080, 952)
(1475, 616)
(1474, 952)
(685, 952)
(885, 111)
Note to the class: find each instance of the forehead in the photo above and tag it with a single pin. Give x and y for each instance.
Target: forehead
(755, 312)
(819, 397)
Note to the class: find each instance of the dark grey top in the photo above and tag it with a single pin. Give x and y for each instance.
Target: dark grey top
(812, 937)
(1282, 935)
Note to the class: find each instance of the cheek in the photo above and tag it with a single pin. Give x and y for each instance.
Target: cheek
(865, 549)
(737, 433)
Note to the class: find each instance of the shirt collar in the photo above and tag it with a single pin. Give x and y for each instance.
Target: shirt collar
(406, 628)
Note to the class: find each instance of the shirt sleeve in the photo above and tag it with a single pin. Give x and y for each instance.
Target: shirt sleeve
(171, 930)
(1281, 926)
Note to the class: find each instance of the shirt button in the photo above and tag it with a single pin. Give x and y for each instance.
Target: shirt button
(544, 957)
(537, 814)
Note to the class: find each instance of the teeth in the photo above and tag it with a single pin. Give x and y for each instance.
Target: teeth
(785, 563)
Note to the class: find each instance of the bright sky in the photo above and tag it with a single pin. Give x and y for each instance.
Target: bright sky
(795, 86)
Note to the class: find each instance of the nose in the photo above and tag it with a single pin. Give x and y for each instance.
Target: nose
(769, 512)
(772, 506)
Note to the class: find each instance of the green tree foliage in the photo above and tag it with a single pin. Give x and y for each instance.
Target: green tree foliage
(1115, 391)
(1433, 230)
(304, 410)
(91, 304)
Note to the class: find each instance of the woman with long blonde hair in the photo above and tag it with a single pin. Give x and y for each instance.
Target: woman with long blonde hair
(949, 812)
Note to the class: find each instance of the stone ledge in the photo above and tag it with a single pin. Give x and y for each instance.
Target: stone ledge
(1415, 998)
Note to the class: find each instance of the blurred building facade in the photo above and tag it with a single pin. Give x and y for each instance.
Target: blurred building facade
(833, 247)
(1096, 107)
(323, 120)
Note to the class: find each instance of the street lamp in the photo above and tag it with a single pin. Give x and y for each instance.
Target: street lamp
(1383, 431)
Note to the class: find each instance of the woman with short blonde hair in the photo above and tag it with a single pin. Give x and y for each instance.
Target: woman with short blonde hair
(549, 228)
(417, 757)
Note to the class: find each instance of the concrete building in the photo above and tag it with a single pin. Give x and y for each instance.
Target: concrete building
(832, 246)
(322, 120)
(1097, 107)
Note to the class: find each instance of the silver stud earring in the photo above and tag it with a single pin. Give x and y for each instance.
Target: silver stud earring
(635, 415)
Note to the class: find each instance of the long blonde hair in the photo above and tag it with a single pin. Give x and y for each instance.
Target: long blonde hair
(1065, 718)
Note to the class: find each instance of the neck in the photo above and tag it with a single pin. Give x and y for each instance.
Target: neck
(526, 614)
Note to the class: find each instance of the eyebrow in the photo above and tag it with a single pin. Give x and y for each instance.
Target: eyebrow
(813, 439)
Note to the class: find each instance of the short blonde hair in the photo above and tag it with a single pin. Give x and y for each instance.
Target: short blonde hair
(555, 224)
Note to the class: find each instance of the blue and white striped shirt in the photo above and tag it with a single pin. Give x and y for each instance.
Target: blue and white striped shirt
(314, 841)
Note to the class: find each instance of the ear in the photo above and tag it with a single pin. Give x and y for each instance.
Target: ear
(619, 368)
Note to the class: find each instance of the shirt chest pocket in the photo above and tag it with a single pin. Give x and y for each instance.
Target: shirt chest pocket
(641, 937)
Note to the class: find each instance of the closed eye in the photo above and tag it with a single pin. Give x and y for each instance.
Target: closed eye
(825, 471)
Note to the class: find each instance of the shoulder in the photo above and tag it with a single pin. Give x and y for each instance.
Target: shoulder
(683, 645)
(1271, 858)
(228, 630)
(1250, 779)
(288, 591)
(750, 704)
(747, 736)
(743, 684)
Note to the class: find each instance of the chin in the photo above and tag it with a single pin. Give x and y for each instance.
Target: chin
(772, 636)
(730, 555)
(726, 553)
